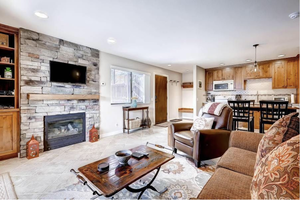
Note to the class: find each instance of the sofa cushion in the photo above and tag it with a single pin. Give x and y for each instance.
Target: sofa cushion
(238, 160)
(277, 174)
(226, 184)
(186, 137)
(274, 136)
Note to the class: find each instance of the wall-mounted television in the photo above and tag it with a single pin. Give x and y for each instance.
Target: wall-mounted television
(67, 73)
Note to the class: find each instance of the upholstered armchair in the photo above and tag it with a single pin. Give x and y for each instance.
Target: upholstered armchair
(204, 144)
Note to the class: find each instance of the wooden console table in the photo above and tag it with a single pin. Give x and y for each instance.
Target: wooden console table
(126, 111)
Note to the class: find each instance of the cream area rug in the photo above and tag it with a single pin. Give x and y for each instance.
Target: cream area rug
(180, 176)
(7, 190)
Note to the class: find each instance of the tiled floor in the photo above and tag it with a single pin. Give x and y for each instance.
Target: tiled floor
(51, 171)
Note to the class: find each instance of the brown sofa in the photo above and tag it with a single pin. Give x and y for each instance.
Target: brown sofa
(203, 144)
(235, 169)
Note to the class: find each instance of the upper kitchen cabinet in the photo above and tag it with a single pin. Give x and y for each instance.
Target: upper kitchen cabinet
(218, 75)
(279, 74)
(265, 70)
(208, 80)
(228, 73)
(249, 72)
(238, 78)
(292, 73)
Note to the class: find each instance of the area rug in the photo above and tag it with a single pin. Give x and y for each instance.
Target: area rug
(180, 176)
(7, 190)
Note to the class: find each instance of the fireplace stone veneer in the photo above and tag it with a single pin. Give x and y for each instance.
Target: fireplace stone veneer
(64, 130)
(36, 51)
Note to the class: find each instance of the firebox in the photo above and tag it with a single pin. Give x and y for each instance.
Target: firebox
(64, 130)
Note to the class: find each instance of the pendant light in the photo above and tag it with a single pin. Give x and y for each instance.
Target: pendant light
(255, 69)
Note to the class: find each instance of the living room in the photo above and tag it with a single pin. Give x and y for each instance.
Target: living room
(155, 100)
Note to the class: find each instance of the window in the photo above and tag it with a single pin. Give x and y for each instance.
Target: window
(126, 84)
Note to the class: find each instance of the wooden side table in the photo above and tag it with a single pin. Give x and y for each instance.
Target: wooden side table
(126, 111)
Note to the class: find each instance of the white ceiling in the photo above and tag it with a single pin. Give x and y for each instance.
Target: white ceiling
(182, 33)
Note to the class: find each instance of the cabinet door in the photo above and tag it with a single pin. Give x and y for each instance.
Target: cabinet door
(217, 75)
(238, 78)
(209, 81)
(265, 70)
(8, 135)
(228, 73)
(249, 72)
(292, 74)
(279, 75)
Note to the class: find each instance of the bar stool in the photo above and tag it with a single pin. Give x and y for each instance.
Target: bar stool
(270, 112)
(241, 113)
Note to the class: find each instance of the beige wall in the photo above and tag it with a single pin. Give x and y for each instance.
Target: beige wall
(111, 115)
(198, 74)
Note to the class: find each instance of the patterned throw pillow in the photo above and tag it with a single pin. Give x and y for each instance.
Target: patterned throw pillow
(274, 136)
(201, 123)
(277, 174)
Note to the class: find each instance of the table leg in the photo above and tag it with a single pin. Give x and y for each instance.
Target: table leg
(128, 122)
(148, 118)
(148, 186)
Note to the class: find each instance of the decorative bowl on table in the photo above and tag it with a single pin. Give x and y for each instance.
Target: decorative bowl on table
(123, 156)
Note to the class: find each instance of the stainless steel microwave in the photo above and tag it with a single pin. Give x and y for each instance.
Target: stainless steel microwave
(223, 85)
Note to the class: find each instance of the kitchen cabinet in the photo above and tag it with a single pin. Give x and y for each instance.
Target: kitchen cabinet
(249, 72)
(8, 134)
(279, 74)
(217, 75)
(209, 81)
(238, 78)
(292, 73)
(265, 70)
(228, 73)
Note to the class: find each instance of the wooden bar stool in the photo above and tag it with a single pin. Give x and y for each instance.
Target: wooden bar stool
(270, 112)
(241, 113)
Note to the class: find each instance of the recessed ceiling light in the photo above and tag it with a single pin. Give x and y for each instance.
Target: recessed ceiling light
(41, 14)
(111, 40)
(169, 65)
(248, 60)
(281, 55)
(294, 15)
(222, 64)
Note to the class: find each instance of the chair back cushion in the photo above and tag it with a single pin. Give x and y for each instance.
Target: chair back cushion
(277, 174)
(281, 129)
(224, 121)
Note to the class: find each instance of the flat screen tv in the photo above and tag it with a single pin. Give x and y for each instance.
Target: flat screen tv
(67, 73)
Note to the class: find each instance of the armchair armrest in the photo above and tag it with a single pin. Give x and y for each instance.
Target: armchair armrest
(173, 128)
(245, 140)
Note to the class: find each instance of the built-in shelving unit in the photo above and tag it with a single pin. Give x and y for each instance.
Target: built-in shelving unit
(9, 95)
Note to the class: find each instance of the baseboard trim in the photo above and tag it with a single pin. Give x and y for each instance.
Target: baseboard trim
(110, 134)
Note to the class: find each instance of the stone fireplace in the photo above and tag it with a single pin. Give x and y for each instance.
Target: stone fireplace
(36, 52)
(64, 130)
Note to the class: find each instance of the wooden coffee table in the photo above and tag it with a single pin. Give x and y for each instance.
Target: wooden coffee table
(119, 177)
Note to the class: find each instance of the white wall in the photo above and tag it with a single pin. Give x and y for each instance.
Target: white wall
(111, 116)
(187, 95)
(199, 93)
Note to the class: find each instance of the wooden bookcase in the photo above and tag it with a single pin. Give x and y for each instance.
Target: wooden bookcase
(9, 95)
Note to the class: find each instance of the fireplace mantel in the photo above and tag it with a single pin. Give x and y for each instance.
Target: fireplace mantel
(62, 96)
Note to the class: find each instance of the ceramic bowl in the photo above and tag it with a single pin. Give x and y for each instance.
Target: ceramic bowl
(123, 156)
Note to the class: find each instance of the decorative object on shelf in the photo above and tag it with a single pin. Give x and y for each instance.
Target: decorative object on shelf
(123, 156)
(4, 40)
(93, 134)
(134, 103)
(7, 73)
(5, 59)
(32, 148)
(255, 66)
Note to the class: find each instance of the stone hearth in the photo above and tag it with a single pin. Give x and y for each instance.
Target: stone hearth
(36, 51)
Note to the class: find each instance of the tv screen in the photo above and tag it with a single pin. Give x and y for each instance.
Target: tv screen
(67, 73)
